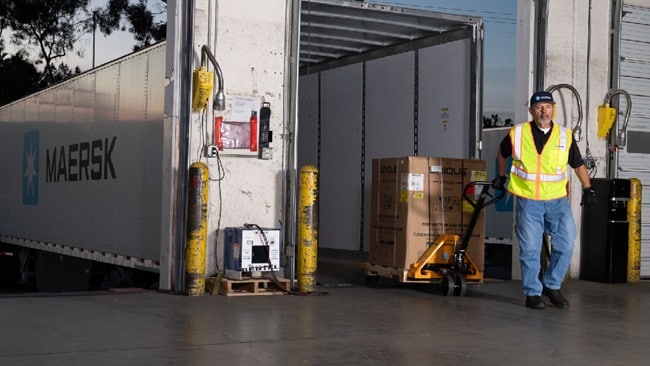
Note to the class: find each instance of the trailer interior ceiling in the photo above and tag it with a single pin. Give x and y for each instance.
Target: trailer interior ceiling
(338, 33)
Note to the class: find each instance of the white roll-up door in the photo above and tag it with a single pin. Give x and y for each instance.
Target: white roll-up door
(634, 77)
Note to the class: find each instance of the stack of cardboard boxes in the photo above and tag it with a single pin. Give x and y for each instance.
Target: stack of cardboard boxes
(414, 200)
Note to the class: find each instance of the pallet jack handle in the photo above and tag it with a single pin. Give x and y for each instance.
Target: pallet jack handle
(478, 204)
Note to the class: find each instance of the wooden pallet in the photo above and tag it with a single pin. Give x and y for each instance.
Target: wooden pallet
(385, 271)
(253, 286)
(401, 274)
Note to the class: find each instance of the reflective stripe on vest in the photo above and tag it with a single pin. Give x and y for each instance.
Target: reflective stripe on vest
(530, 169)
(542, 177)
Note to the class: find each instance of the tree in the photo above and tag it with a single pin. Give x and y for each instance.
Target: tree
(4, 19)
(4, 24)
(19, 77)
(143, 27)
(136, 17)
(51, 26)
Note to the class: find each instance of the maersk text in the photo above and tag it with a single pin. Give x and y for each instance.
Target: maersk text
(88, 160)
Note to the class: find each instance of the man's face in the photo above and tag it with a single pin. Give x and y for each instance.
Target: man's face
(542, 113)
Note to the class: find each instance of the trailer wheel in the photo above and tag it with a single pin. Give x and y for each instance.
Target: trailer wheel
(372, 280)
(61, 273)
(460, 286)
(9, 271)
(447, 285)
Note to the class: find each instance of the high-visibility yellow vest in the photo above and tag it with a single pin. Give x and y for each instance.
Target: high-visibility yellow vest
(539, 176)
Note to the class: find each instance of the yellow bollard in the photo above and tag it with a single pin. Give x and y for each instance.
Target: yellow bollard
(634, 233)
(197, 229)
(308, 229)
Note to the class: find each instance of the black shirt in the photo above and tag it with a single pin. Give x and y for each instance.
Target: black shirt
(575, 159)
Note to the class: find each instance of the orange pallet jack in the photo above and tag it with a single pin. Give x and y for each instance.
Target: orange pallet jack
(446, 261)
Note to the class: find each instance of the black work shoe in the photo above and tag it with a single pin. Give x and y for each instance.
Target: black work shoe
(556, 298)
(534, 302)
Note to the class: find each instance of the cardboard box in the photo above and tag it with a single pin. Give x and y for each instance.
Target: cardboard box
(416, 199)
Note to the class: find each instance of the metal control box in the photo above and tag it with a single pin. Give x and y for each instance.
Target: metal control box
(605, 233)
(247, 252)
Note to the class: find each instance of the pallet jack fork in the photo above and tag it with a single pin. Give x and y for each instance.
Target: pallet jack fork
(447, 259)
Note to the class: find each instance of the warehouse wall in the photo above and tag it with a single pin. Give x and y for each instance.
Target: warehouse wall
(577, 53)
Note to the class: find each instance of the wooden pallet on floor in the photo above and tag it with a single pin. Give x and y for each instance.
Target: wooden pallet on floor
(401, 274)
(385, 271)
(253, 286)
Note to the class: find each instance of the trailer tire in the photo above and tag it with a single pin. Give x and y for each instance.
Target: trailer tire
(61, 273)
(9, 271)
(372, 280)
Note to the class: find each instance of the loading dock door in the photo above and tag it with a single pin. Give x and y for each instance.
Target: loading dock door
(634, 77)
(375, 82)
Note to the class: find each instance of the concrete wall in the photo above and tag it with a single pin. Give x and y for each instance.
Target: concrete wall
(247, 38)
(577, 53)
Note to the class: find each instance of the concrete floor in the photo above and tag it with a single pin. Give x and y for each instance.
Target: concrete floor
(391, 324)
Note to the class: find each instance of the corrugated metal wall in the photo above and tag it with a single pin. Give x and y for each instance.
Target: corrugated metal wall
(634, 77)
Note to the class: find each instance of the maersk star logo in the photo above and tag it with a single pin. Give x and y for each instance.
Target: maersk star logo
(30, 168)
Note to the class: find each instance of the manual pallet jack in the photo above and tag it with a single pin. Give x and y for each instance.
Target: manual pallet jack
(446, 260)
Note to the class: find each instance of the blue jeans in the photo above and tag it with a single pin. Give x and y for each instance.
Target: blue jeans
(532, 218)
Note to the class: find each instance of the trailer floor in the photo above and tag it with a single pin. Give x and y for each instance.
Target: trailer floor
(392, 324)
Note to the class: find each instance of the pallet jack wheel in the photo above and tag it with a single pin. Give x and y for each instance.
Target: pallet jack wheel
(447, 285)
(460, 286)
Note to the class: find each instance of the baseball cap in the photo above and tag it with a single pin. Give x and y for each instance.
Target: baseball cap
(541, 96)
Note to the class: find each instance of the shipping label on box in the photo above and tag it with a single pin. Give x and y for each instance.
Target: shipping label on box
(475, 175)
(411, 186)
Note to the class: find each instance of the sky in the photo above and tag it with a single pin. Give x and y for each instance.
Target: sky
(500, 21)
(107, 48)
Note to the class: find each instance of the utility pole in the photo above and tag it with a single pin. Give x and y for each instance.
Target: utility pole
(94, 26)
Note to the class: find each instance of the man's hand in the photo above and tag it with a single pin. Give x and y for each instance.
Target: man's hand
(588, 197)
(500, 183)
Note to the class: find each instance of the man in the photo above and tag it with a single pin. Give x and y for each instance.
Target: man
(540, 151)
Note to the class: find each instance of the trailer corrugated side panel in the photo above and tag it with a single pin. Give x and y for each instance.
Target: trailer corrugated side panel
(82, 164)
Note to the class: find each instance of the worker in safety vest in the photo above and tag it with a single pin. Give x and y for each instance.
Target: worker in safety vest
(541, 151)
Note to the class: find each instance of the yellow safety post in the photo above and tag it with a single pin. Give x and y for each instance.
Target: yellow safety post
(197, 229)
(308, 229)
(634, 233)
